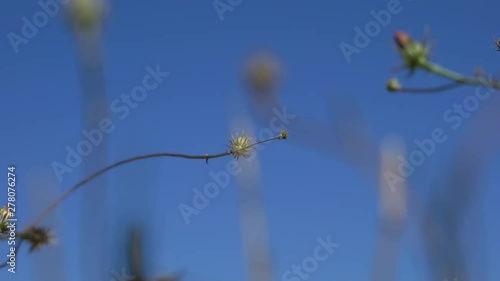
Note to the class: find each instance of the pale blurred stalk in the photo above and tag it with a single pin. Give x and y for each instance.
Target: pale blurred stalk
(252, 213)
(392, 210)
(86, 17)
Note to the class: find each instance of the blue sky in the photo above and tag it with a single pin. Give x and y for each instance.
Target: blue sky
(307, 192)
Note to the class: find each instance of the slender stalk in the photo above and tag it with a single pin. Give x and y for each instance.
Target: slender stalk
(457, 80)
(61, 198)
(206, 157)
(457, 77)
(432, 90)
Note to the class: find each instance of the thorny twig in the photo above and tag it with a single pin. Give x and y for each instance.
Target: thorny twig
(236, 151)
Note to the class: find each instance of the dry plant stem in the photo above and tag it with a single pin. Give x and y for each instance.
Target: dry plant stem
(136, 158)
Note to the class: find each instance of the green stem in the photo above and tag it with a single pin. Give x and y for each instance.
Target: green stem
(457, 77)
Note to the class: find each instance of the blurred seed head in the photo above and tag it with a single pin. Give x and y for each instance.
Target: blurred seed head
(37, 237)
(86, 15)
(262, 76)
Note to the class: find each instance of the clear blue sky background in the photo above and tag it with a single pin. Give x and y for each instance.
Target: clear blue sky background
(307, 192)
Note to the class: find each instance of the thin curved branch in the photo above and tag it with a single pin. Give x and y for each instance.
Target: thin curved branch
(432, 90)
(205, 157)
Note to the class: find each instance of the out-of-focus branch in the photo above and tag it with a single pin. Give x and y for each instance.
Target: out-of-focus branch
(254, 231)
(451, 202)
(135, 256)
(394, 85)
(393, 209)
(86, 18)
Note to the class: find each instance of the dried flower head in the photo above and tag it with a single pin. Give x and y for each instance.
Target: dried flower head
(4, 216)
(37, 237)
(4, 213)
(241, 145)
(393, 85)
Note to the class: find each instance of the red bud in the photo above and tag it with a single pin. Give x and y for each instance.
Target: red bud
(402, 39)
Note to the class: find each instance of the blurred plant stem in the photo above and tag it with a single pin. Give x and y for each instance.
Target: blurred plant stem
(95, 109)
(253, 222)
(392, 211)
(136, 255)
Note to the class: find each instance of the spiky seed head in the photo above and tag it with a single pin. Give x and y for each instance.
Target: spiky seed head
(240, 145)
(4, 216)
